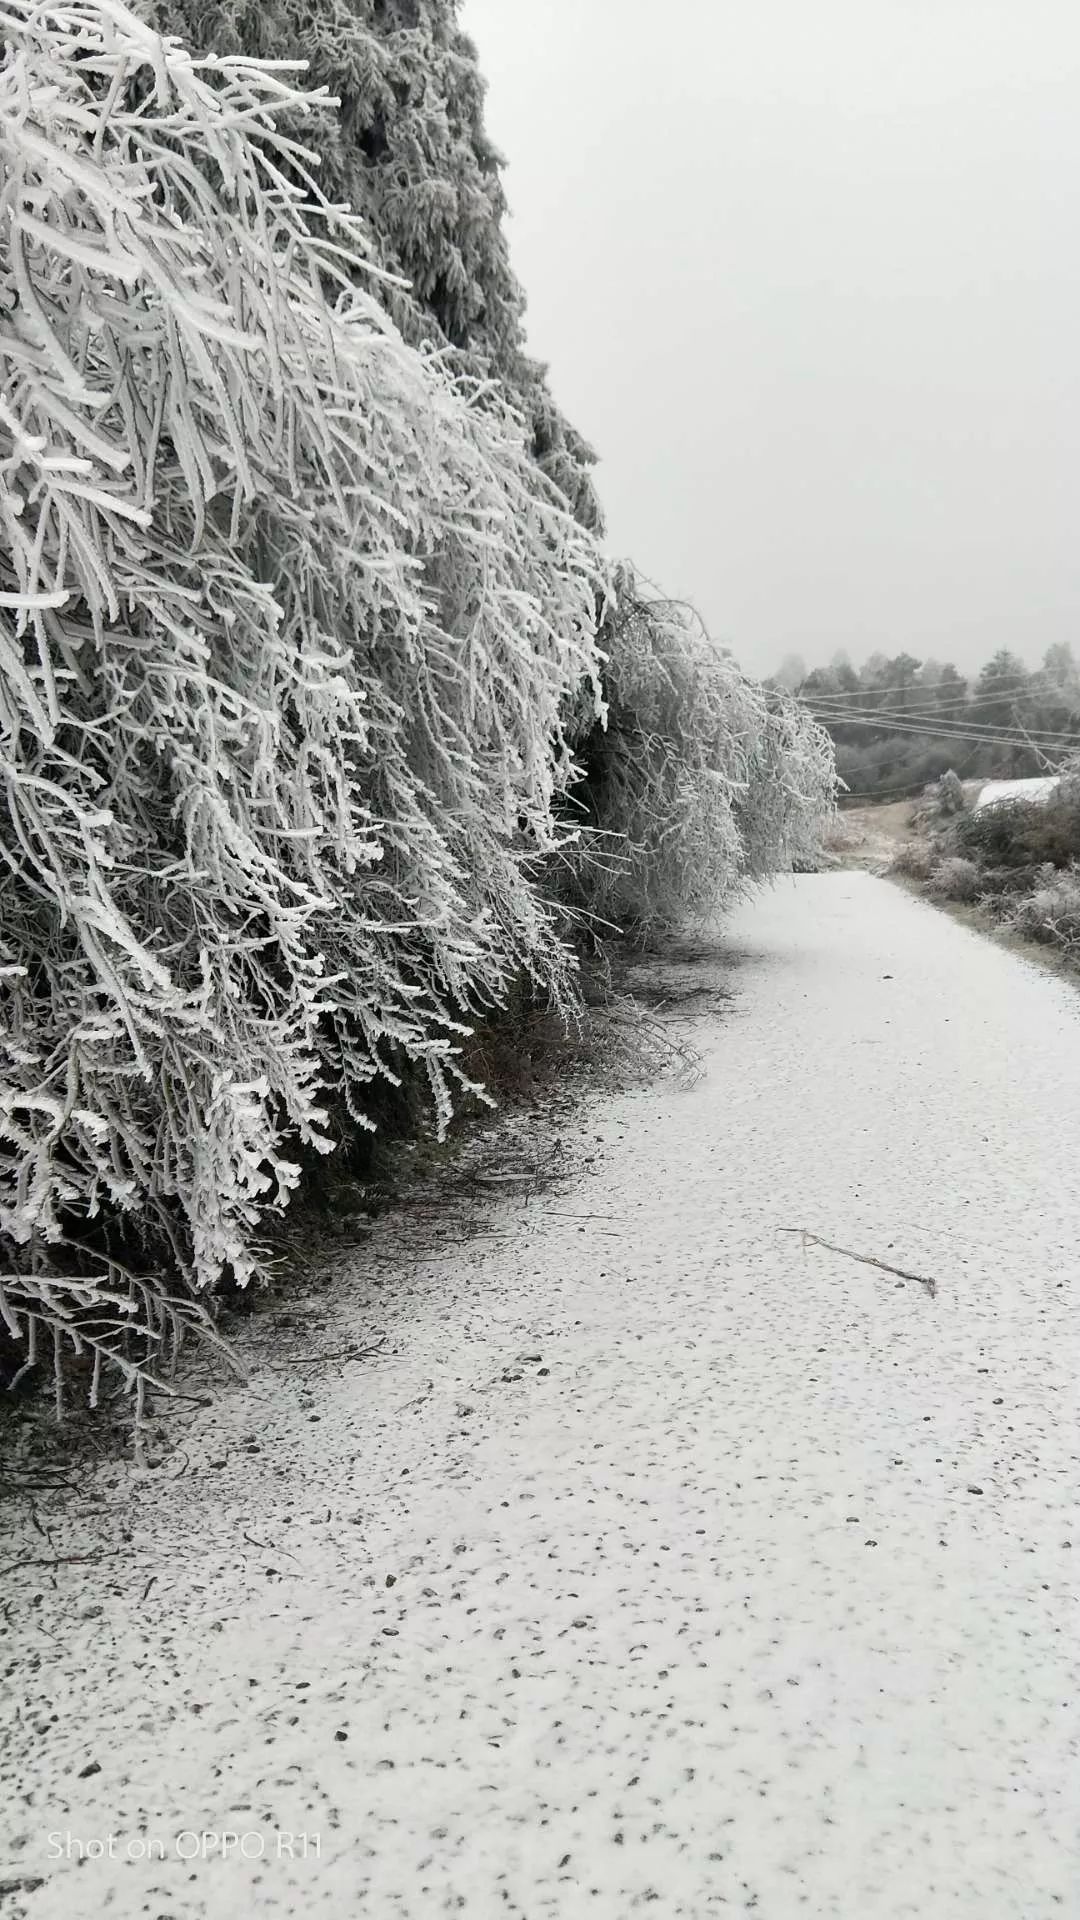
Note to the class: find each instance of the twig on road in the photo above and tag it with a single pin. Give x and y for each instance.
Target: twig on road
(864, 1259)
(330, 1359)
(265, 1548)
(62, 1560)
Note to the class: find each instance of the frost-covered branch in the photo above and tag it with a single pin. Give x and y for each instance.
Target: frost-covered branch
(288, 623)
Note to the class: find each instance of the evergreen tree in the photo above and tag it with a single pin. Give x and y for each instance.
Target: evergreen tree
(1054, 693)
(844, 674)
(1000, 688)
(902, 683)
(874, 680)
(1059, 665)
(951, 685)
(1000, 700)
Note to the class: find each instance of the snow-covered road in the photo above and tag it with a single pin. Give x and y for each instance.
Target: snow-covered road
(662, 1561)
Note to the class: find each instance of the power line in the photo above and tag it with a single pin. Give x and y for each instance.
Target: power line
(950, 730)
(804, 692)
(919, 686)
(922, 711)
(827, 699)
(925, 730)
(964, 702)
(910, 788)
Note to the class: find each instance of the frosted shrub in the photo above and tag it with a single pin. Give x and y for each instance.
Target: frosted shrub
(289, 623)
(789, 801)
(915, 859)
(955, 878)
(1051, 912)
(950, 798)
(699, 782)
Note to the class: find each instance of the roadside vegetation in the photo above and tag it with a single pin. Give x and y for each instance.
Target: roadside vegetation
(333, 740)
(1017, 861)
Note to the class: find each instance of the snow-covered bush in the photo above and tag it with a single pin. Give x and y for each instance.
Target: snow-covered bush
(950, 793)
(941, 801)
(1018, 832)
(699, 782)
(955, 878)
(289, 624)
(1051, 912)
(915, 859)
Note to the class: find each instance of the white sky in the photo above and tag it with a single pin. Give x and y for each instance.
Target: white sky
(807, 273)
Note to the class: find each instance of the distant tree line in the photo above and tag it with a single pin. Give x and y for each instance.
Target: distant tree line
(899, 723)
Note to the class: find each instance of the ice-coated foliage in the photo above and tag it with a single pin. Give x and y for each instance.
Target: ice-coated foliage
(299, 588)
(288, 624)
(790, 794)
(409, 152)
(955, 878)
(699, 782)
(1050, 913)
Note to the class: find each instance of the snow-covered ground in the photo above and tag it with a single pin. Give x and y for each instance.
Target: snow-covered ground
(997, 790)
(662, 1561)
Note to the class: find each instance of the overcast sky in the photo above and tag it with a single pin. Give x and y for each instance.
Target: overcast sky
(807, 273)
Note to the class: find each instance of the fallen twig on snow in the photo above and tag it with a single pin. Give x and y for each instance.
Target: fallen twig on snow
(62, 1560)
(269, 1548)
(328, 1359)
(864, 1259)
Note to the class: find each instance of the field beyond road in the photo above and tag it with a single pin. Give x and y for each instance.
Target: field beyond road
(667, 1553)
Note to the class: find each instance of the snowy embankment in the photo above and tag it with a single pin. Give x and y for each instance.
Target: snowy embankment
(660, 1555)
(995, 791)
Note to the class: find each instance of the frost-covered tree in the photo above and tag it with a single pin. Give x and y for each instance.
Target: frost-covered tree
(407, 149)
(288, 623)
(1060, 669)
(700, 780)
(298, 604)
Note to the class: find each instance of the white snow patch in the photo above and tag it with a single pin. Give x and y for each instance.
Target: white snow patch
(997, 790)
